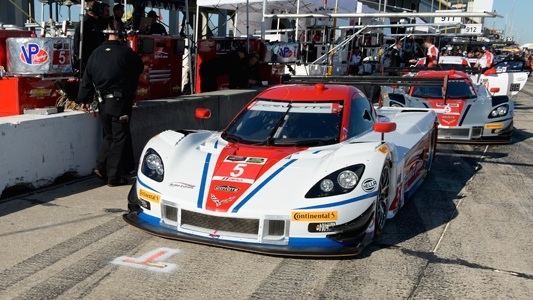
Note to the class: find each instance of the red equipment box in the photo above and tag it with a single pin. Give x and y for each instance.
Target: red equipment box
(211, 48)
(162, 57)
(20, 93)
(17, 92)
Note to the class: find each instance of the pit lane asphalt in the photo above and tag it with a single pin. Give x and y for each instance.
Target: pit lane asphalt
(466, 234)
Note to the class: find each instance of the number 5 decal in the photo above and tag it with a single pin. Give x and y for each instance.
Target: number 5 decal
(238, 170)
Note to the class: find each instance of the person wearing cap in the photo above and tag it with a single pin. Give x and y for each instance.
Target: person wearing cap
(226, 64)
(432, 54)
(114, 83)
(92, 35)
(486, 61)
(156, 27)
(396, 58)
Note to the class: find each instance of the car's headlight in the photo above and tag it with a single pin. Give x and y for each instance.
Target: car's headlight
(499, 111)
(339, 182)
(152, 165)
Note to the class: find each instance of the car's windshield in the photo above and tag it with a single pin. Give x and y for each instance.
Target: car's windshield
(457, 89)
(266, 122)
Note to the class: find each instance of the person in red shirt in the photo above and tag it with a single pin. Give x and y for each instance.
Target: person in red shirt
(432, 55)
(486, 61)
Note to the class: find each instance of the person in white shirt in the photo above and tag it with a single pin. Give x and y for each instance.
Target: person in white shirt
(486, 61)
(355, 62)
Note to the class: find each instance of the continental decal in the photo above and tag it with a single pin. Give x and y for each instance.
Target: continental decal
(314, 216)
(149, 196)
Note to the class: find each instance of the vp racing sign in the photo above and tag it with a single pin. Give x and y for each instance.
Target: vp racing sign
(38, 55)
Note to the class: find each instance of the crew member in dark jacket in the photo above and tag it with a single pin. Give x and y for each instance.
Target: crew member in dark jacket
(92, 35)
(230, 64)
(396, 58)
(112, 72)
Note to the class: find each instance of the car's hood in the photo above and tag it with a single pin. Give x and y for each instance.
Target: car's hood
(213, 174)
(452, 110)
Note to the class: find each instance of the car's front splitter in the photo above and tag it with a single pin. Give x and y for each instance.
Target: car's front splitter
(339, 244)
(449, 135)
(133, 218)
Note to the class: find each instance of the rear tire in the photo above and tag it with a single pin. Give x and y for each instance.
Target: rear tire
(430, 156)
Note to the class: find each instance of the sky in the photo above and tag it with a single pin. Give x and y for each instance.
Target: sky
(515, 20)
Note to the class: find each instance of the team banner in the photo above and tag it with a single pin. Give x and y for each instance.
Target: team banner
(36, 56)
(281, 52)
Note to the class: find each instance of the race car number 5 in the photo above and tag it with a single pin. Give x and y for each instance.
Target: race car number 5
(238, 170)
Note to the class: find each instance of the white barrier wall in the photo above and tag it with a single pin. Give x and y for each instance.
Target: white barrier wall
(36, 149)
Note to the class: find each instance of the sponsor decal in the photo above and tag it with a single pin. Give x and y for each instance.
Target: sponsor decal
(414, 170)
(383, 149)
(182, 185)
(447, 109)
(40, 92)
(142, 91)
(256, 160)
(314, 216)
(226, 188)
(234, 179)
(494, 126)
(320, 227)
(219, 202)
(369, 185)
(235, 158)
(515, 87)
(149, 196)
(33, 54)
(285, 52)
(160, 55)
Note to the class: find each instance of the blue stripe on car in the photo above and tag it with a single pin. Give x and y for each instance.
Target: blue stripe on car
(204, 176)
(313, 242)
(347, 201)
(149, 219)
(146, 186)
(260, 186)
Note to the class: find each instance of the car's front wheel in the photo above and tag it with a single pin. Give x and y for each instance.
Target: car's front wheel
(382, 202)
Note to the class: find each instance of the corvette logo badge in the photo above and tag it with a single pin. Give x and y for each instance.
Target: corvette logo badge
(219, 202)
(227, 188)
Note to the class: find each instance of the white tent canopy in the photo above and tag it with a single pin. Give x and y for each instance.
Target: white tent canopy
(254, 10)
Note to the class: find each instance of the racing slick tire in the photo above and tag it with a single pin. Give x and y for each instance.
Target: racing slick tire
(382, 200)
(431, 153)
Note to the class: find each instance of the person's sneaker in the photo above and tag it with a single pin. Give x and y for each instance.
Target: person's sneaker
(99, 174)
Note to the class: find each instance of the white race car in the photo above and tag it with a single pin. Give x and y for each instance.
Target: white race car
(468, 112)
(302, 170)
(509, 76)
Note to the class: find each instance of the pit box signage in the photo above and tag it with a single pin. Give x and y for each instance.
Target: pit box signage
(31, 56)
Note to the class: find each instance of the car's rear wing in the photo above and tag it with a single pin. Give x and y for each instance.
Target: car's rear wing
(367, 80)
(415, 69)
(370, 85)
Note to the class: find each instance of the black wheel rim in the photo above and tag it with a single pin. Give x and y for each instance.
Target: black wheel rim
(383, 196)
